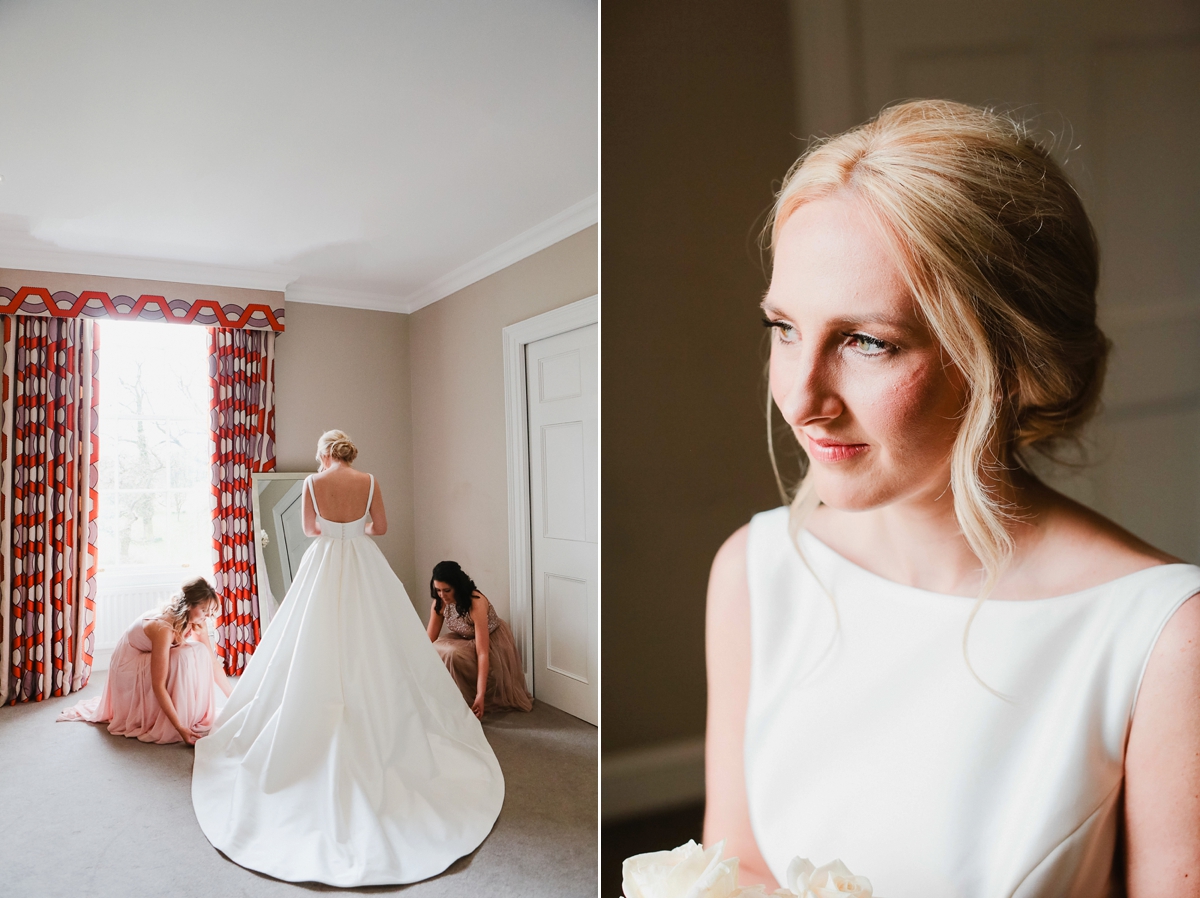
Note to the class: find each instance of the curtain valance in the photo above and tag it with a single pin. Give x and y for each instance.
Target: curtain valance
(53, 295)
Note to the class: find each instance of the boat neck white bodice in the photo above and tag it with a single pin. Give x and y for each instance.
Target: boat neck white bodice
(868, 739)
(341, 529)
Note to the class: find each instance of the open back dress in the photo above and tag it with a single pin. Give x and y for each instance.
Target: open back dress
(346, 754)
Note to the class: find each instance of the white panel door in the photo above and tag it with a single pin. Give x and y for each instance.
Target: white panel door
(561, 382)
(1118, 84)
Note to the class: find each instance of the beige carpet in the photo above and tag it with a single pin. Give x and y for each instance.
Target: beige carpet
(83, 813)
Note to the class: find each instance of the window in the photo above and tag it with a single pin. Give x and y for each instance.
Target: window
(155, 500)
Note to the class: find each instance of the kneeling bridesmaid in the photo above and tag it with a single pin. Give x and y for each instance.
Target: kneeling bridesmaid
(162, 674)
(479, 651)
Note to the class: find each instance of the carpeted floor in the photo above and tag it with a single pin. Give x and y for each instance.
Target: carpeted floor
(86, 813)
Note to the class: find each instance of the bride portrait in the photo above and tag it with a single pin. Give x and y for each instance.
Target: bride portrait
(963, 658)
(345, 754)
(932, 318)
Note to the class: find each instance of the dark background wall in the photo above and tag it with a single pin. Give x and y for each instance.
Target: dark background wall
(697, 128)
(703, 106)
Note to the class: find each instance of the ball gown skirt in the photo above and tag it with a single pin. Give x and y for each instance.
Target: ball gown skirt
(128, 703)
(345, 754)
(506, 681)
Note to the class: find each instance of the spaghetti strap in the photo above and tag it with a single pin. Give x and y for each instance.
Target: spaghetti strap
(312, 491)
(370, 495)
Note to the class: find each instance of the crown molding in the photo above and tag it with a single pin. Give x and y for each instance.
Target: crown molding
(343, 298)
(570, 221)
(19, 254)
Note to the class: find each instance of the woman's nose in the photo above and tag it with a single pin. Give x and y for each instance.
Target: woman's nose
(804, 385)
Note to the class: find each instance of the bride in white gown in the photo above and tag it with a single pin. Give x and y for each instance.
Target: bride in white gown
(346, 754)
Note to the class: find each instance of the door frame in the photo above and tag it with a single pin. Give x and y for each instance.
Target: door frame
(516, 424)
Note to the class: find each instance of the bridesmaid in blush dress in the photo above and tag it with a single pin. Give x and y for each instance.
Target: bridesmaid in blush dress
(483, 660)
(162, 673)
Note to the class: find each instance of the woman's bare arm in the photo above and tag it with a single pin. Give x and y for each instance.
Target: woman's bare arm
(727, 640)
(377, 526)
(222, 681)
(161, 636)
(479, 617)
(1162, 766)
(435, 622)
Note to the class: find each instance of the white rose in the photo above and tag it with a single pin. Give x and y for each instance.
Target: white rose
(832, 880)
(761, 892)
(688, 871)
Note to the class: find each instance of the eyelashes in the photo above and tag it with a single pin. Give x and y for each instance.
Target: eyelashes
(864, 344)
(786, 331)
(870, 345)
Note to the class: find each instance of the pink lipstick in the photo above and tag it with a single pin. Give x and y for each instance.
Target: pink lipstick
(833, 450)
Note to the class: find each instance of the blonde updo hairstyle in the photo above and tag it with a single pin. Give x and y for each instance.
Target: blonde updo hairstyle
(336, 445)
(1001, 260)
(179, 608)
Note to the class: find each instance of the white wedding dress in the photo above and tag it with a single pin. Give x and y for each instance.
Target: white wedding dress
(867, 738)
(346, 754)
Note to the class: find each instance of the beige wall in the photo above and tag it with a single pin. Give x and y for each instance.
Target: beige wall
(458, 427)
(698, 114)
(349, 369)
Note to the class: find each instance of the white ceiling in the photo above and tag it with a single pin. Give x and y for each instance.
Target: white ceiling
(373, 153)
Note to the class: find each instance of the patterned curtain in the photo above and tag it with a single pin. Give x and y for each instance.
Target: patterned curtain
(45, 293)
(241, 373)
(48, 503)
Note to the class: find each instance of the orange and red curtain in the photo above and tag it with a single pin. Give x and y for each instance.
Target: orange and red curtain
(49, 453)
(242, 404)
(49, 446)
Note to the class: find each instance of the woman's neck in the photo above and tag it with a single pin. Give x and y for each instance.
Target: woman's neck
(918, 542)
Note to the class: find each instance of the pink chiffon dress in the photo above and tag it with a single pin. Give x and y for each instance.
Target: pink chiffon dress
(129, 704)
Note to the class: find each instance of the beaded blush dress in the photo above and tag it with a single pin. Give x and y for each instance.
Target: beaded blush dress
(506, 681)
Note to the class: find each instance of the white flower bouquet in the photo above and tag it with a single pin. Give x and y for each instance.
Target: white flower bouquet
(691, 871)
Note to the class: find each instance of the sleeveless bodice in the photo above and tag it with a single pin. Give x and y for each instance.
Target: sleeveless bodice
(464, 626)
(136, 634)
(868, 739)
(137, 637)
(337, 529)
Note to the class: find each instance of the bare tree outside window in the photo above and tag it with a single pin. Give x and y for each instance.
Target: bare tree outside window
(155, 454)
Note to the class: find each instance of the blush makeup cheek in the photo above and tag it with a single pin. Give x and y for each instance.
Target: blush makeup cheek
(913, 414)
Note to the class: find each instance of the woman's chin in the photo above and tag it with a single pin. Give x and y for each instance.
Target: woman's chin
(849, 493)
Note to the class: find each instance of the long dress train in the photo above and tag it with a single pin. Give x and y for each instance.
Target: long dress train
(345, 754)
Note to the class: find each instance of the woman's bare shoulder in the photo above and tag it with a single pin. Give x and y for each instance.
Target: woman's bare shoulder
(1089, 548)
(157, 628)
(727, 579)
